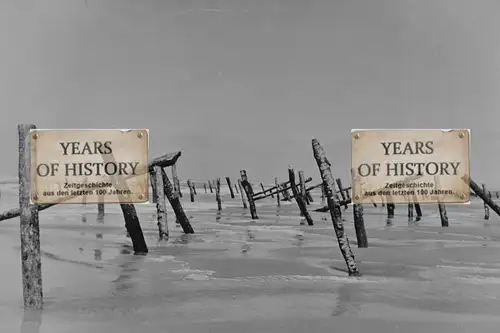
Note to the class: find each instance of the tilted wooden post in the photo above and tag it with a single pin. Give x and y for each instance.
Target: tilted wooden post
(284, 192)
(236, 189)
(180, 215)
(442, 209)
(153, 188)
(486, 208)
(299, 197)
(161, 205)
(359, 226)
(31, 261)
(477, 190)
(323, 195)
(249, 192)
(176, 182)
(277, 184)
(191, 192)
(242, 194)
(228, 181)
(303, 191)
(217, 194)
(205, 187)
(210, 186)
(193, 184)
(342, 194)
(134, 229)
(326, 175)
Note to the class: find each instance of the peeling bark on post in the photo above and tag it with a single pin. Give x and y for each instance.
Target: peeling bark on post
(228, 181)
(210, 186)
(359, 226)
(176, 182)
(180, 215)
(217, 195)
(191, 192)
(242, 194)
(303, 191)
(161, 205)
(486, 208)
(298, 197)
(31, 261)
(134, 229)
(326, 175)
(249, 192)
(277, 184)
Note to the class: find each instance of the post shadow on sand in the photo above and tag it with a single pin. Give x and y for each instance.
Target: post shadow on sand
(348, 300)
(32, 320)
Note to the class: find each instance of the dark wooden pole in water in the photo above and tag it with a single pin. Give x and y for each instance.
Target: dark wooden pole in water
(236, 189)
(194, 188)
(442, 208)
(341, 189)
(153, 188)
(228, 181)
(100, 212)
(326, 175)
(390, 209)
(205, 187)
(134, 229)
(359, 226)
(191, 192)
(176, 182)
(285, 193)
(277, 184)
(217, 194)
(242, 194)
(249, 192)
(161, 205)
(497, 195)
(264, 190)
(303, 191)
(486, 208)
(180, 215)
(298, 197)
(31, 261)
(210, 186)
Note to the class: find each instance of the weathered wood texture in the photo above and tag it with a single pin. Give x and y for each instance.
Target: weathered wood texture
(176, 182)
(303, 191)
(180, 215)
(442, 208)
(277, 185)
(249, 193)
(153, 188)
(217, 195)
(298, 197)
(134, 229)
(326, 175)
(228, 181)
(477, 190)
(242, 194)
(191, 191)
(359, 226)
(161, 204)
(163, 161)
(486, 208)
(31, 261)
(341, 190)
(210, 186)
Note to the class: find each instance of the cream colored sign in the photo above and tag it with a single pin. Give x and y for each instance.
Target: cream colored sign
(89, 166)
(410, 166)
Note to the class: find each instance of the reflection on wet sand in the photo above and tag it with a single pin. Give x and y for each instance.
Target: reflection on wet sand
(32, 320)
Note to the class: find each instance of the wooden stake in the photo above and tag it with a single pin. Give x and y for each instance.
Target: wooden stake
(359, 226)
(249, 192)
(193, 184)
(276, 183)
(31, 262)
(341, 189)
(236, 189)
(228, 181)
(303, 191)
(217, 195)
(161, 205)
(242, 194)
(153, 188)
(442, 208)
(326, 175)
(285, 193)
(298, 197)
(176, 182)
(486, 208)
(205, 187)
(134, 229)
(210, 186)
(180, 215)
(390, 210)
(410, 211)
(191, 192)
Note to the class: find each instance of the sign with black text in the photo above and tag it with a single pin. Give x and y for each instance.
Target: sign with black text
(89, 166)
(410, 166)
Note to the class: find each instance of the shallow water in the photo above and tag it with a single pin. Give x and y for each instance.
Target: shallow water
(273, 274)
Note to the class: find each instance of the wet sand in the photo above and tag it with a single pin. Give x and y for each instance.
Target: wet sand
(271, 275)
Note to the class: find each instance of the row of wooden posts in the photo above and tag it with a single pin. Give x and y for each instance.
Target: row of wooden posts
(164, 189)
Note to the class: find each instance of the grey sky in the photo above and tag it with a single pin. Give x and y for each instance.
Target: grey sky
(246, 84)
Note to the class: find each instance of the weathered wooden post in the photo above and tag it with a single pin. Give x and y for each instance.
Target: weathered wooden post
(242, 194)
(303, 191)
(236, 189)
(326, 175)
(228, 181)
(264, 190)
(176, 182)
(249, 192)
(359, 226)
(217, 194)
(486, 208)
(210, 186)
(323, 196)
(134, 229)
(341, 190)
(410, 211)
(194, 188)
(390, 210)
(205, 187)
(153, 188)
(180, 215)
(285, 193)
(161, 205)
(442, 209)
(298, 196)
(191, 192)
(477, 190)
(277, 184)
(31, 262)
(497, 195)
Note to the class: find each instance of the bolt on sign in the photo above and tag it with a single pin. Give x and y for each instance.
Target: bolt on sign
(89, 166)
(410, 166)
